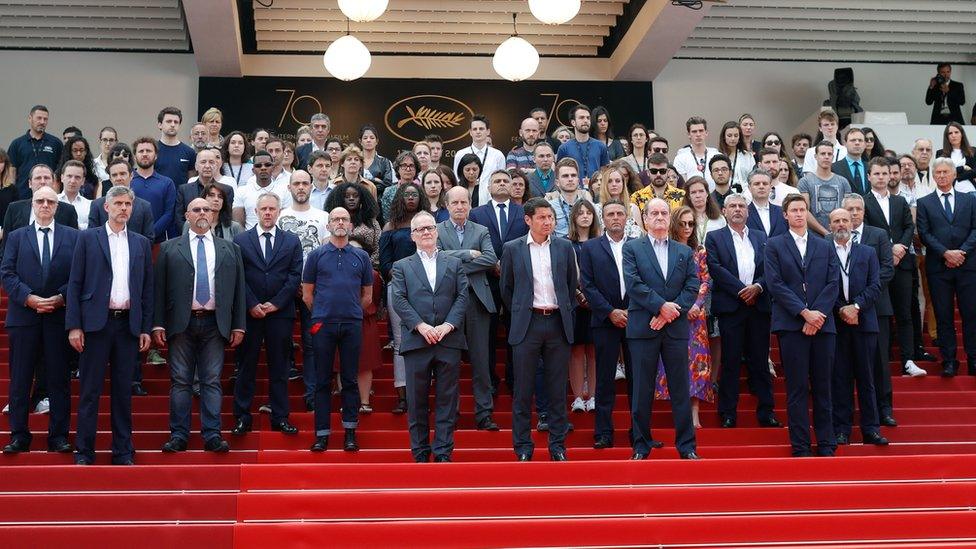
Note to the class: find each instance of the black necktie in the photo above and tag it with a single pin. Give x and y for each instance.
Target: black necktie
(502, 221)
(267, 246)
(857, 177)
(948, 207)
(46, 253)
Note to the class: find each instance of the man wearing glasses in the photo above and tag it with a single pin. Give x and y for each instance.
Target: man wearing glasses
(657, 169)
(246, 197)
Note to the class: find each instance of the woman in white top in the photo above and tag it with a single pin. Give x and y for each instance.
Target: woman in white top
(731, 145)
(107, 138)
(637, 145)
(237, 158)
(955, 145)
(613, 187)
(708, 216)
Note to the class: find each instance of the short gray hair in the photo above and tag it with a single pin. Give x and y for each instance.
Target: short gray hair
(944, 161)
(737, 198)
(421, 215)
(320, 117)
(118, 191)
(263, 196)
(758, 171)
(854, 197)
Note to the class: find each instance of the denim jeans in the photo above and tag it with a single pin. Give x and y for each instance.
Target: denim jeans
(200, 349)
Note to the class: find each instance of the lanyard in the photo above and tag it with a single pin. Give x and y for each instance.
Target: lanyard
(640, 167)
(240, 170)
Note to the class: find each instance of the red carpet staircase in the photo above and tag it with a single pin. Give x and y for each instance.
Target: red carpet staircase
(271, 491)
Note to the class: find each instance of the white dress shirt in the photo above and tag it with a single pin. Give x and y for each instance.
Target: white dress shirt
(843, 255)
(617, 249)
(661, 252)
(801, 242)
(497, 211)
(40, 238)
(543, 288)
(118, 247)
(261, 239)
(211, 252)
(885, 205)
(82, 207)
(952, 199)
(745, 255)
(857, 233)
(763, 212)
(430, 267)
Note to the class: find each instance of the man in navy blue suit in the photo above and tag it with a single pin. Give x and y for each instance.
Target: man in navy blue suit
(35, 267)
(764, 215)
(803, 276)
(272, 273)
(108, 318)
(857, 332)
(947, 225)
(741, 303)
(662, 284)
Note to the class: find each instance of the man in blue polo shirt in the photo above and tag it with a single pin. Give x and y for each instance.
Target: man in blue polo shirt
(33, 148)
(337, 287)
(174, 159)
(153, 187)
(590, 154)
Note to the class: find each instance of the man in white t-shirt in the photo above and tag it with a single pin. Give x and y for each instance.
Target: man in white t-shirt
(693, 160)
(827, 122)
(491, 158)
(246, 197)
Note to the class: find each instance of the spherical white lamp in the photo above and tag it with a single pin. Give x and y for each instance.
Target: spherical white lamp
(554, 12)
(364, 11)
(515, 59)
(347, 58)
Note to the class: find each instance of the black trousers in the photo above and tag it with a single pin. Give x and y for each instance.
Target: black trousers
(41, 350)
(644, 354)
(944, 286)
(900, 291)
(808, 363)
(852, 366)
(745, 330)
(347, 339)
(275, 334)
(607, 343)
(444, 364)
(545, 340)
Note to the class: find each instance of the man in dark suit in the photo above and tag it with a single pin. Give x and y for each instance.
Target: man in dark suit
(764, 216)
(538, 285)
(542, 180)
(272, 272)
(946, 97)
(892, 214)
(430, 293)
(199, 308)
(108, 318)
(141, 221)
(947, 226)
(662, 284)
(602, 282)
(741, 303)
(207, 166)
(320, 124)
(35, 268)
(20, 213)
(470, 242)
(857, 333)
(853, 168)
(802, 276)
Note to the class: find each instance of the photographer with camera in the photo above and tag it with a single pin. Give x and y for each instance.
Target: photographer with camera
(945, 96)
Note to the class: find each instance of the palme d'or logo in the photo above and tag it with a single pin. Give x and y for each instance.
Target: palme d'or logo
(411, 118)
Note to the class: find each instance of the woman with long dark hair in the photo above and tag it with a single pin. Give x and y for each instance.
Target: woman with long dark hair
(638, 152)
(469, 174)
(873, 147)
(584, 224)
(76, 148)
(433, 187)
(362, 208)
(955, 146)
(602, 131)
(236, 155)
(220, 216)
(379, 169)
(8, 191)
(731, 144)
(406, 167)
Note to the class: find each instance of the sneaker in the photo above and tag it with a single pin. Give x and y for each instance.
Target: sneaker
(578, 405)
(912, 370)
(6, 409)
(265, 409)
(294, 374)
(43, 407)
(590, 404)
(772, 368)
(153, 357)
(621, 373)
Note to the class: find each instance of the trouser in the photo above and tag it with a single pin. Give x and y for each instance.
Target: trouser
(644, 356)
(945, 287)
(445, 364)
(197, 351)
(399, 369)
(880, 367)
(308, 349)
(745, 330)
(900, 292)
(854, 355)
(607, 344)
(275, 334)
(545, 339)
(476, 319)
(807, 363)
(347, 339)
(39, 349)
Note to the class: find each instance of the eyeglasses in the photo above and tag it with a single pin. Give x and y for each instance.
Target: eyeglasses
(721, 170)
(686, 224)
(411, 166)
(657, 171)
(200, 210)
(411, 194)
(263, 165)
(425, 229)
(121, 155)
(43, 201)
(774, 142)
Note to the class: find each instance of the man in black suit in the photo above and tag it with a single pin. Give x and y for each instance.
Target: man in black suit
(538, 285)
(272, 272)
(862, 233)
(197, 319)
(892, 214)
(946, 97)
(320, 124)
(141, 221)
(20, 213)
(857, 332)
(207, 166)
(764, 216)
(947, 226)
(35, 268)
(853, 168)
(741, 303)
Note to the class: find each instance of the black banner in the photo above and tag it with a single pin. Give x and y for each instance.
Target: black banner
(405, 110)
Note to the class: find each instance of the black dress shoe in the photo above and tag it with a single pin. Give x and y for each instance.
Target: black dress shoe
(422, 457)
(949, 368)
(401, 407)
(17, 447)
(888, 421)
(443, 458)
(126, 461)
(971, 367)
(803, 454)
(876, 439)
(60, 446)
(603, 442)
(656, 444)
(543, 425)
(138, 390)
(174, 444)
(309, 404)
(285, 428)
(638, 456)
(321, 444)
(689, 455)
(770, 422)
(842, 440)
(217, 444)
(349, 444)
(558, 456)
(728, 422)
(487, 424)
(524, 457)
(922, 354)
(83, 460)
(242, 426)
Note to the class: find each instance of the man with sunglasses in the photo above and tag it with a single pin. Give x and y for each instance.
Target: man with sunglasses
(246, 197)
(199, 309)
(657, 169)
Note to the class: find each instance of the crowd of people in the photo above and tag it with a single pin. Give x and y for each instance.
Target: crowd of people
(598, 256)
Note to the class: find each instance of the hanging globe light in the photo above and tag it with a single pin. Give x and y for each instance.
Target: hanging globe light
(347, 58)
(554, 12)
(515, 59)
(364, 11)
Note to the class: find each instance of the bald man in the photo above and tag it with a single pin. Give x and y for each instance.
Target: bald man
(522, 157)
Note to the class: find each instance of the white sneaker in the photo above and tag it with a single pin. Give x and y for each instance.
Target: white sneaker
(912, 369)
(6, 409)
(772, 368)
(590, 404)
(265, 409)
(578, 405)
(43, 407)
(621, 373)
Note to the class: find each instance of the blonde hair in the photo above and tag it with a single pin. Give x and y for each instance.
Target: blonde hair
(604, 191)
(211, 114)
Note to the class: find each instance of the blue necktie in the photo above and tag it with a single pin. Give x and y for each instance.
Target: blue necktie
(203, 283)
(948, 207)
(502, 221)
(46, 253)
(857, 177)
(267, 246)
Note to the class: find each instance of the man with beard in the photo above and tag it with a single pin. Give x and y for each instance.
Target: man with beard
(590, 154)
(522, 157)
(174, 159)
(197, 320)
(33, 148)
(657, 168)
(208, 169)
(541, 180)
(153, 187)
(198, 136)
(719, 167)
(141, 220)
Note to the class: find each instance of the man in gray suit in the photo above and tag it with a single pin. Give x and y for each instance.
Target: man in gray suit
(538, 285)
(199, 308)
(430, 293)
(471, 243)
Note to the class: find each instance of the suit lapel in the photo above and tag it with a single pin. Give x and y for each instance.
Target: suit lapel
(102, 237)
(728, 240)
(418, 268)
(58, 239)
(672, 258)
(33, 245)
(871, 201)
(184, 248)
(528, 254)
(652, 257)
(440, 269)
(256, 242)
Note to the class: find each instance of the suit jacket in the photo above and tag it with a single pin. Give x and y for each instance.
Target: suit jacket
(955, 98)
(777, 223)
(275, 280)
(841, 168)
(864, 287)
(516, 284)
(649, 288)
(796, 284)
(901, 230)
(485, 216)
(140, 221)
(18, 215)
(878, 239)
(303, 153)
(175, 279)
(476, 237)
(600, 281)
(416, 302)
(21, 272)
(534, 185)
(724, 270)
(940, 234)
(90, 283)
(187, 192)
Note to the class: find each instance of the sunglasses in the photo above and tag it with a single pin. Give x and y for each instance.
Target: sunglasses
(263, 165)
(662, 150)
(657, 171)
(686, 224)
(200, 210)
(774, 142)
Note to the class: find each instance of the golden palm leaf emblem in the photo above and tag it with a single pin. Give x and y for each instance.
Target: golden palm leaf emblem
(429, 118)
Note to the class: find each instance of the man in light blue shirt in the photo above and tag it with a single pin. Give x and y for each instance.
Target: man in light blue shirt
(569, 193)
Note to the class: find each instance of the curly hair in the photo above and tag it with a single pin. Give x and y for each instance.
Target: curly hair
(398, 208)
(367, 211)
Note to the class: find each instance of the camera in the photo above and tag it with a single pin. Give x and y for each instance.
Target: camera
(939, 79)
